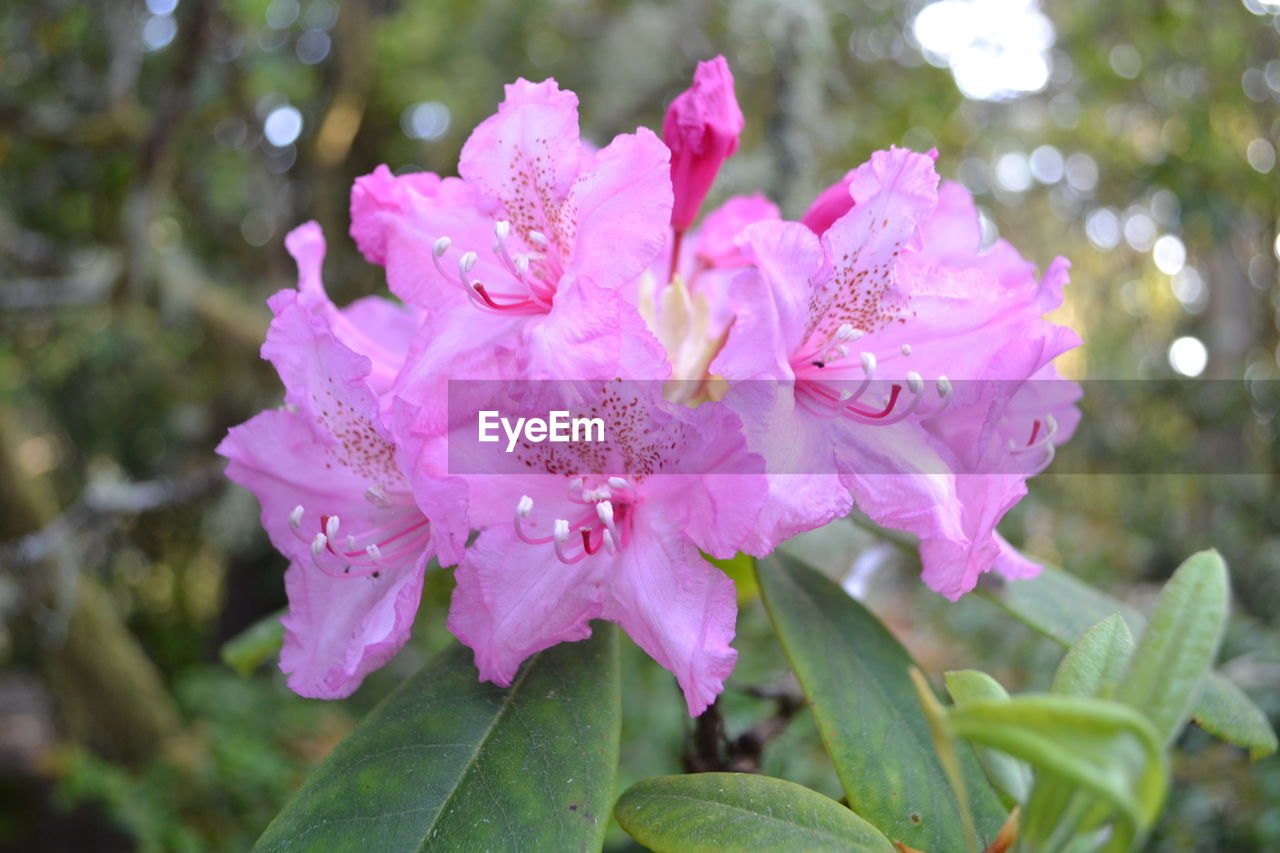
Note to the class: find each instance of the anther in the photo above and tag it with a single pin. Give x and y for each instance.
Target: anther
(914, 382)
(319, 544)
(377, 496)
(442, 245)
(538, 239)
(331, 527)
(295, 517)
(524, 506)
(617, 482)
(906, 349)
(501, 229)
(944, 386)
(868, 363)
(465, 263)
(374, 553)
(604, 511)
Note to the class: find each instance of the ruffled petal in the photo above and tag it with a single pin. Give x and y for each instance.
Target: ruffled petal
(622, 207)
(513, 600)
(678, 608)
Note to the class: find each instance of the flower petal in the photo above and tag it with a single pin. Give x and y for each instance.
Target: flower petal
(678, 608)
(513, 600)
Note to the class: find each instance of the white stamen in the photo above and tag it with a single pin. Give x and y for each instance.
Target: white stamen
(1012, 445)
(617, 482)
(538, 239)
(524, 506)
(331, 527)
(442, 245)
(374, 553)
(501, 229)
(351, 543)
(1050, 426)
(377, 496)
(295, 517)
(465, 263)
(944, 386)
(522, 264)
(839, 352)
(906, 349)
(609, 544)
(868, 363)
(561, 530)
(914, 382)
(318, 544)
(845, 395)
(604, 510)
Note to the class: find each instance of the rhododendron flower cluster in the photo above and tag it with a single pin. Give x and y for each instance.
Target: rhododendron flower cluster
(759, 378)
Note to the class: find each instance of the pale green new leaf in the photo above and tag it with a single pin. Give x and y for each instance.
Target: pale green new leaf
(1062, 607)
(1011, 777)
(1095, 745)
(1095, 662)
(1179, 645)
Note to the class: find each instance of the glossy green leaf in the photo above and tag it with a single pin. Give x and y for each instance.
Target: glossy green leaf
(855, 678)
(1094, 663)
(1062, 607)
(255, 645)
(1098, 746)
(1010, 777)
(1179, 645)
(449, 763)
(728, 812)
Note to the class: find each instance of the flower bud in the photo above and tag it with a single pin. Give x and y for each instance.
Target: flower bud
(701, 129)
(832, 203)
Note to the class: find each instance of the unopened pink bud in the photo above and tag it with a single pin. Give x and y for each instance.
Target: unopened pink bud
(701, 129)
(832, 203)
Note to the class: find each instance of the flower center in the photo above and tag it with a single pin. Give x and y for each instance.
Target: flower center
(366, 553)
(535, 272)
(605, 522)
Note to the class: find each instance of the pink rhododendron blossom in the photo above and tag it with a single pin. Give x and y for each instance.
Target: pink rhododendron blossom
(837, 316)
(333, 498)
(701, 128)
(558, 550)
(518, 259)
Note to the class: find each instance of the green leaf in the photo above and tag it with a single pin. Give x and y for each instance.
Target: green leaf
(449, 763)
(255, 645)
(855, 678)
(1010, 777)
(1095, 662)
(1061, 607)
(741, 569)
(728, 812)
(1179, 646)
(1098, 746)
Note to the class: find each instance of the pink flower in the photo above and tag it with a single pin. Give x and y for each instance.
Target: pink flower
(701, 128)
(853, 322)
(518, 259)
(333, 498)
(558, 550)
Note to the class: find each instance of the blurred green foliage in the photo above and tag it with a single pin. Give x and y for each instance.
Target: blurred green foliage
(142, 212)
